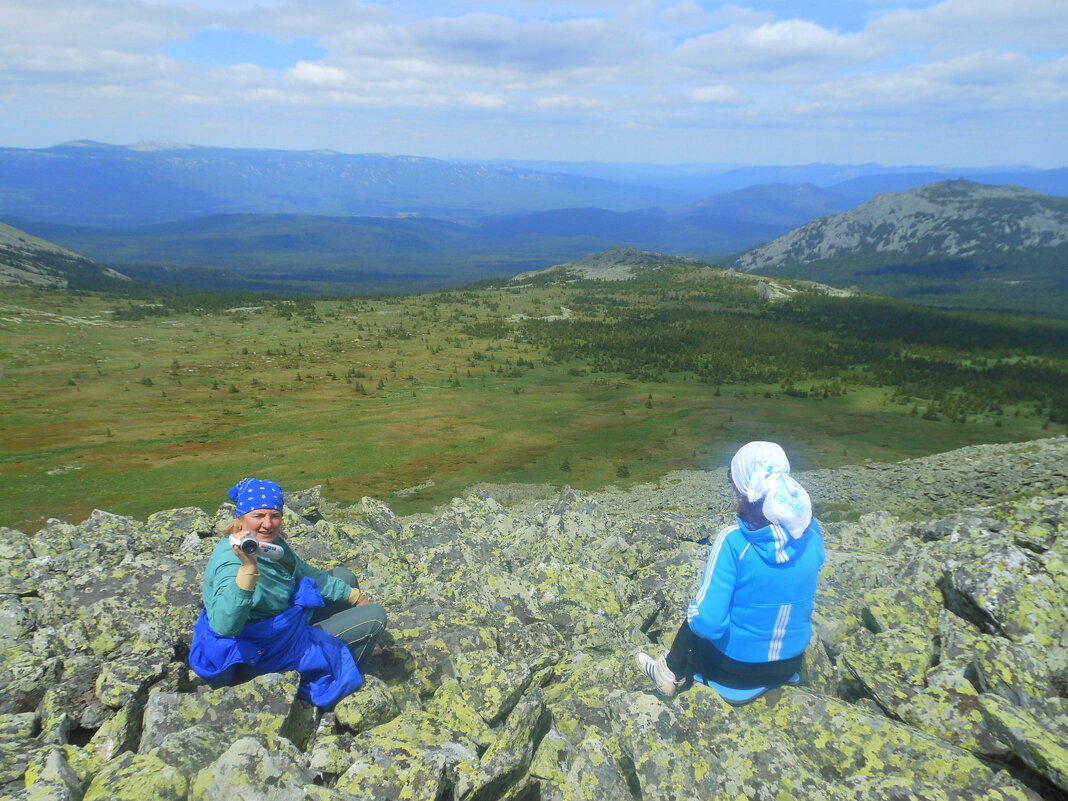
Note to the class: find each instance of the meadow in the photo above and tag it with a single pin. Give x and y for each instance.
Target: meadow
(138, 404)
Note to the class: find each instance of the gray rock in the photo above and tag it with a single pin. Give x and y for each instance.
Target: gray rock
(938, 669)
(177, 524)
(251, 770)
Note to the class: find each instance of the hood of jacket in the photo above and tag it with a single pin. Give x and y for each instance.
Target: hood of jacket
(774, 544)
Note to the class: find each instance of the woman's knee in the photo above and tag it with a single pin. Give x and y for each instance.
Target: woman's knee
(378, 615)
(345, 575)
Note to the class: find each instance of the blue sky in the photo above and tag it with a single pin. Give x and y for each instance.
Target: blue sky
(951, 83)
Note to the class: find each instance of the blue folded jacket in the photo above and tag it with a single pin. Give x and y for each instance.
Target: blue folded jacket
(284, 642)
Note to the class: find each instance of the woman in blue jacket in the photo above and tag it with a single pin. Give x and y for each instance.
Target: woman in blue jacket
(751, 620)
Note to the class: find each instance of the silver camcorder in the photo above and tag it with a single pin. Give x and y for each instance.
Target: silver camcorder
(253, 547)
(249, 545)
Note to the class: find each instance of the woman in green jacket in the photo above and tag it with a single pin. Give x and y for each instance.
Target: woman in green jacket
(242, 589)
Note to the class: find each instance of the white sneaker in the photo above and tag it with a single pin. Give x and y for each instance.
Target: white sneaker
(659, 672)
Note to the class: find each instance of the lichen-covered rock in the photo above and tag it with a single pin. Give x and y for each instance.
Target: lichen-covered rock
(892, 666)
(425, 639)
(135, 777)
(491, 683)
(24, 679)
(1006, 591)
(1018, 673)
(595, 774)
(176, 524)
(45, 766)
(937, 671)
(1038, 741)
(142, 599)
(19, 577)
(668, 762)
(842, 743)
(501, 771)
(71, 702)
(265, 705)
(191, 749)
(379, 516)
(254, 770)
(306, 503)
(15, 546)
(453, 711)
(120, 732)
(372, 706)
(411, 758)
(948, 707)
(127, 677)
(53, 779)
(16, 618)
(903, 607)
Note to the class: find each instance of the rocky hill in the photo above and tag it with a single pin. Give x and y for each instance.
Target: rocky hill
(955, 243)
(947, 219)
(26, 260)
(623, 263)
(940, 668)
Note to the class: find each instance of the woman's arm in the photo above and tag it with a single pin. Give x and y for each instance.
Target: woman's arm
(229, 594)
(709, 613)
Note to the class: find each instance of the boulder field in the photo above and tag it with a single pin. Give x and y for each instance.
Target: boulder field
(939, 669)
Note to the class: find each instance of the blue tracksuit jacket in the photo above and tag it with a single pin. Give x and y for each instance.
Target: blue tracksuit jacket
(756, 595)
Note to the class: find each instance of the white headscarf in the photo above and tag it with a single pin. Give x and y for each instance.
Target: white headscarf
(761, 471)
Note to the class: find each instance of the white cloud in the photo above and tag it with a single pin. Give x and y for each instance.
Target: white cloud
(955, 26)
(95, 25)
(718, 95)
(491, 41)
(481, 100)
(979, 83)
(651, 67)
(316, 75)
(696, 16)
(780, 48)
(240, 75)
(570, 103)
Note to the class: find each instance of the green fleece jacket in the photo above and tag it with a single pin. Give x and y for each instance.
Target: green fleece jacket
(229, 607)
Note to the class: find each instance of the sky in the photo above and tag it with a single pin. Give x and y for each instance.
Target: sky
(899, 82)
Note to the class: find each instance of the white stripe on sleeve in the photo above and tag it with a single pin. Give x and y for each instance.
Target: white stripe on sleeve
(710, 566)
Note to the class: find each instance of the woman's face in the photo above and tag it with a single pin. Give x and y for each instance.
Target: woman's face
(265, 524)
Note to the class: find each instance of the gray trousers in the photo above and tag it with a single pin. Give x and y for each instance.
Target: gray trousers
(359, 627)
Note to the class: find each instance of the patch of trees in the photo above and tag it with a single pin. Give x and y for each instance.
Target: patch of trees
(815, 346)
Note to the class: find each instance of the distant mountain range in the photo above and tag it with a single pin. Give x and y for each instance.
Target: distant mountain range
(950, 243)
(306, 253)
(91, 183)
(854, 183)
(289, 222)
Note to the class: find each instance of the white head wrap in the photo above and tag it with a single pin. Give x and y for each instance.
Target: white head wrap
(761, 471)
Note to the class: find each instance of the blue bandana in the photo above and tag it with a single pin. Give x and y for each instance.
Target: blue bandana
(256, 493)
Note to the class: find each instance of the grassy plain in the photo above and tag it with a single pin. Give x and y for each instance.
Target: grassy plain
(380, 396)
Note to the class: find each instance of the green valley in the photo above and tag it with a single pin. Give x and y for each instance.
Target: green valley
(141, 402)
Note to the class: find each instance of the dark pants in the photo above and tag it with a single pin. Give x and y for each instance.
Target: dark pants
(691, 654)
(359, 627)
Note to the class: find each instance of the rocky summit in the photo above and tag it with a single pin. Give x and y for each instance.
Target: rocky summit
(947, 219)
(939, 669)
